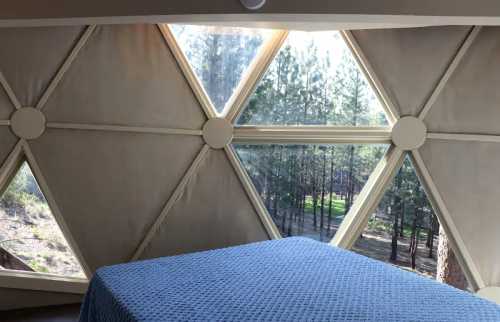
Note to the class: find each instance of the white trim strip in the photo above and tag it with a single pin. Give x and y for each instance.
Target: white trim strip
(391, 111)
(457, 243)
(121, 128)
(42, 282)
(10, 93)
(368, 199)
(4, 122)
(253, 76)
(176, 195)
(252, 194)
(464, 137)
(10, 164)
(450, 70)
(44, 187)
(193, 81)
(311, 134)
(65, 66)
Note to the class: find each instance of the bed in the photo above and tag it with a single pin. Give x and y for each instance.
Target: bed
(293, 279)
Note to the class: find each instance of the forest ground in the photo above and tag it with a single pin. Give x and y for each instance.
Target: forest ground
(375, 241)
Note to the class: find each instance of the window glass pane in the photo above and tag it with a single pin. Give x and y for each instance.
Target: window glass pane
(308, 189)
(219, 56)
(404, 231)
(314, 80)
(30, 238)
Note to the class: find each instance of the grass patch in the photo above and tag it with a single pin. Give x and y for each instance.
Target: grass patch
(337, 204)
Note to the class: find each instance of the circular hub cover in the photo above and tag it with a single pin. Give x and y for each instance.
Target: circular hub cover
(409, 133)
(27, 123)
(217, 133)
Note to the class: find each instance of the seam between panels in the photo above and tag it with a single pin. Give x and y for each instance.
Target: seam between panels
(174, 197)
(65, 66)
(449, 70)
(460, 249)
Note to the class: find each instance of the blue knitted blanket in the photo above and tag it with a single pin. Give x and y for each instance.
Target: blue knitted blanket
(293, 279)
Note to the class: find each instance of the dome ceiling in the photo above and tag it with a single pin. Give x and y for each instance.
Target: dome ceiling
(129, 174)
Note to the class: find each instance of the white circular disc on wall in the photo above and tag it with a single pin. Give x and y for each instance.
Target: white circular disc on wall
(253, 4)
(27, 123)
(409, 133)
(218, 133)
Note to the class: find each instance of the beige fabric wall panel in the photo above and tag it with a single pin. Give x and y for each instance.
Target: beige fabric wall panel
(30, 57)
(470, 102)
(125, 75)
(213, 212)
(466, 175)
(110, 187)
(11, 299)
(7, 143)
(410, 62)
(6, 107)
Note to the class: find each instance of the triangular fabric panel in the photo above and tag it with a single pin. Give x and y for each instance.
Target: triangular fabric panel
(466, 175)
(308, 189)
(410, 61)
(125, 75)
(213, 212)
(314, 80)
(469, 101)
(7, 143)
(6, 107)
(115, 188)
(219, 56)
(30, 238)
(12, 299)
(405, 213)
(30, 57)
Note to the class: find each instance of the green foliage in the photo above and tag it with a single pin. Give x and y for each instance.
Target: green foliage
(23, 188)
(338, 205)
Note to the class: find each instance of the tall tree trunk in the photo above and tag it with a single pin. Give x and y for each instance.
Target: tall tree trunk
(395, 210)
(415, 232)
(330, 204)
(322, 203)
(314, 190)
(448, 268)
(402, 224)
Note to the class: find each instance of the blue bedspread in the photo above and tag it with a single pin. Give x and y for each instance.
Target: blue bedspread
(292, 279)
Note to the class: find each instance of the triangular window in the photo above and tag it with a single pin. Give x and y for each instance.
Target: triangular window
(314, 80)
(30, 238)
(219, 56)
(308, 189)
(405, 232)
